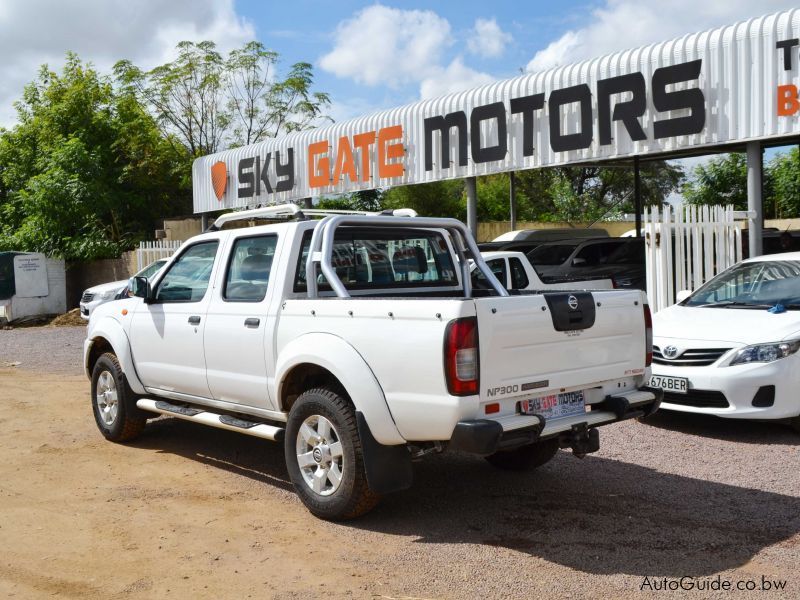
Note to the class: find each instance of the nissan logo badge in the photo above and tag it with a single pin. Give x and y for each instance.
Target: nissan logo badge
(573, 302)
(670, 352)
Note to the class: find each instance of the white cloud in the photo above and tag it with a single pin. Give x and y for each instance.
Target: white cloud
(487, 39)
(453, 78)
(382, 45)
(623, 24)
(35, 32)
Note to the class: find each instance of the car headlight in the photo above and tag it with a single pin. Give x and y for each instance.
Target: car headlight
(764, 352)
(110, 295)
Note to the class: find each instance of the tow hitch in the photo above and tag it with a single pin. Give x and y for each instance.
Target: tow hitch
(581, 439)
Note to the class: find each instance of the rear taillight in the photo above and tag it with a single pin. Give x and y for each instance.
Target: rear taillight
(461, 356)
(648, 336)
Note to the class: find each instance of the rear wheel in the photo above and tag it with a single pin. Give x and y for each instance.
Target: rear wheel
(795, 422)
(113, 401)
(324, 456)
(526, 457)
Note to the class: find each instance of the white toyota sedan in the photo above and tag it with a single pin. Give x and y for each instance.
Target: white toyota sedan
(730, 348)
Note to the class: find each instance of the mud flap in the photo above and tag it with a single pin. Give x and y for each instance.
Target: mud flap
(388, 468)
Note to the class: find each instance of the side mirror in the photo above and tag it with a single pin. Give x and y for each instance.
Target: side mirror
(141, 289)
(682, 295)
(578, 262)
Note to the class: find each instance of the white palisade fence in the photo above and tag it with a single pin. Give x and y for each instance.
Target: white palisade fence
(147, 252)
(685, 246)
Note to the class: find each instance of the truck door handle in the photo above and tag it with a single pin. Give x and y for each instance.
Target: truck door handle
(194, 320)
(252, 322)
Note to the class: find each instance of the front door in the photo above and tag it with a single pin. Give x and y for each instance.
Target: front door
(167, 335)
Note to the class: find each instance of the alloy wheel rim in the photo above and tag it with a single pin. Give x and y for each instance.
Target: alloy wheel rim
(319, 455)
(107, 398)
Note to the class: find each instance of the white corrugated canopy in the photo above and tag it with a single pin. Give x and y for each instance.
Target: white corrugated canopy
(740, 73)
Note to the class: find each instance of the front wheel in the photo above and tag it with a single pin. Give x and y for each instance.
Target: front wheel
(324, 456)
(113, 401)
(526, 457)
(795, 422)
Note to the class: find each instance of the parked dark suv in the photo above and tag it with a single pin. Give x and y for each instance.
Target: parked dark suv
(621, 259)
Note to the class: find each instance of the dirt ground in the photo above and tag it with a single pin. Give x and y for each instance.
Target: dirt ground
(192, 512)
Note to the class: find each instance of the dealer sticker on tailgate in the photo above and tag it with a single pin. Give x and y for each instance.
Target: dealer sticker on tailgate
(555, 406)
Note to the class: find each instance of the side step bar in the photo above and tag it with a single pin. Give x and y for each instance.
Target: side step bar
(198, 415)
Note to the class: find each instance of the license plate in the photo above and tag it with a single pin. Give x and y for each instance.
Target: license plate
(555, 406)
(679, 385)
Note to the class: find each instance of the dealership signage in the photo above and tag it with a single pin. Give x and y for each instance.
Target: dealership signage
(718, 87)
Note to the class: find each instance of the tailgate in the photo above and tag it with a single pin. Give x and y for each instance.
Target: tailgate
(523, 352)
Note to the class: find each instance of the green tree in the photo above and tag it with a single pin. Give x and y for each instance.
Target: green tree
(209, 102)
(784, 171)
(722, 180)
(85, 171)
(436, 199)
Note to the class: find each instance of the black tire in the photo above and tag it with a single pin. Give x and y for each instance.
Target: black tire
(351, 497)
(129, 420)
(524, 458)
(795, 422)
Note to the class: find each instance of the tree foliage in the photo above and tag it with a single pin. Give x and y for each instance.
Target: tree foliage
(85, 171)
(578, 194)
(723, 180)
(208, 101)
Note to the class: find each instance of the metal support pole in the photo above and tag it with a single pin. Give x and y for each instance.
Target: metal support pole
(755, 201)
(512, 199)
(203, 221)
(472, 206)
(637, 195)
(308, 203)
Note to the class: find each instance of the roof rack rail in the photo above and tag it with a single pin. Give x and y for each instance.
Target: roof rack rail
(292, 211)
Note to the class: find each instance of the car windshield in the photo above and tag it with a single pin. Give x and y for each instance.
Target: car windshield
(151, 269)
(755, 284)
(551, 254)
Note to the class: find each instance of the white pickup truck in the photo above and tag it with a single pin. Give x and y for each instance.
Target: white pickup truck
(515, 272)
(359, 342)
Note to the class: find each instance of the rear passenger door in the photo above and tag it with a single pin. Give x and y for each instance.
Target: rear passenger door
(240, 321)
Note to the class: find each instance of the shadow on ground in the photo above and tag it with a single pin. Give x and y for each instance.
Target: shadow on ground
(595, 515)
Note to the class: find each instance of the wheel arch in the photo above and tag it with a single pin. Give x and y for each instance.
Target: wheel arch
(322, 359)
(108, 336)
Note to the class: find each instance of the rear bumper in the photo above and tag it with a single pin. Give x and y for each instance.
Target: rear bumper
(487, 436)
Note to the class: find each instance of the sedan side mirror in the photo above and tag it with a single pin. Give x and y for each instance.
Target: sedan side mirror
(578, 262)
(141, 289)
(682, 295)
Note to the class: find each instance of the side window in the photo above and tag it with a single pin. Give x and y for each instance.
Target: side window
(249, 267)
(188, 277)
(519, 279)
(498, 267)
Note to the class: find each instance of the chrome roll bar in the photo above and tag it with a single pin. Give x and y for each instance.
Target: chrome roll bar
(321, 249)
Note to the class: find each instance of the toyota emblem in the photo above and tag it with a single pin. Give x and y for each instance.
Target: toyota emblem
(670, 352)
(573, 302)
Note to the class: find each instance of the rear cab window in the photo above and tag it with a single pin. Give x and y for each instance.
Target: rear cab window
(384, 260)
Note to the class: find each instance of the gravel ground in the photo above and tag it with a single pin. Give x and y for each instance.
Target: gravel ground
(193, 511)
(55, 349)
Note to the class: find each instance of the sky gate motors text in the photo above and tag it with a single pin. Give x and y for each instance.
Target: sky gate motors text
(627, 111)
(380, 155)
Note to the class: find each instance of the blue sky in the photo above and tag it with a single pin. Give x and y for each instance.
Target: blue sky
(521, 36)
